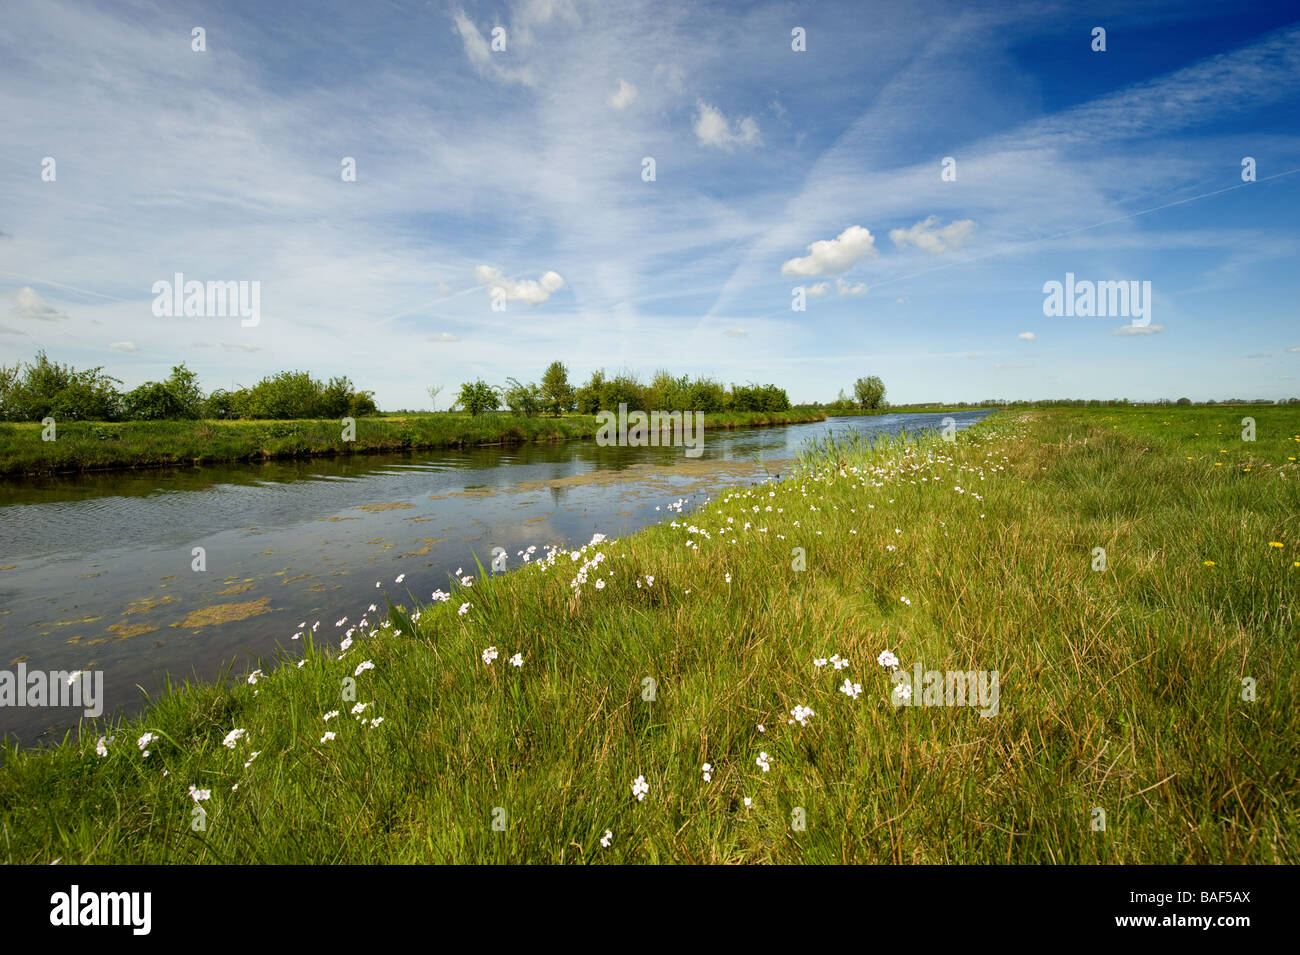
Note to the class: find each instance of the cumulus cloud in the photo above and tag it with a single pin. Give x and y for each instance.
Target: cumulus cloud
(714, 129)
(124, 346)
(519, 290)
(1139, 330)
(624, 95)
(925, 235)
(819, 289)
(833, 256)
(850, 288)
(28, 304)
(1028, 336)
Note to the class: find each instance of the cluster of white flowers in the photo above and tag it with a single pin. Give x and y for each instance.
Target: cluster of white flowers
(362, 667)
(639, 788)
(233, 737)
(327, 737)
(198, 795)
(144, 741)
(764, 761)
(850, 689)
(887, 660)
(101, 746)
(708, 772)
(606, 839)
(801, 714)
(489, 655)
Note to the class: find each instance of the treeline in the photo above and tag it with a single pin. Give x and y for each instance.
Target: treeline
(556, 396)
(35, 390)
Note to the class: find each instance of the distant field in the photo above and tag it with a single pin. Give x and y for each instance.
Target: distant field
(85, 446)
(1147, 711)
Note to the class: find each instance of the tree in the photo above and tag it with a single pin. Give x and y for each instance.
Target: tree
(524, 399)
(558, 396)
(434, 391)
(870, 392)
(477, 397)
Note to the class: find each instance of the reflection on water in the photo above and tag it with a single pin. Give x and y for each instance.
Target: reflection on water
(98, 570)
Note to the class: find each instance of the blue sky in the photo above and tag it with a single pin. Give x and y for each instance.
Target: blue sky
(521, 169)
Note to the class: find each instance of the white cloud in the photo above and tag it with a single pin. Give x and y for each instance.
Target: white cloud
(519, 290)
(444, 337)
(925, 236)
(624, 95)
(833, 256)
(488, 63)
(1028, 336)
(239, 346)
(714, 129)
(736, 332)
(444, 288)
(1139, 330)
(31, 305)
(819, 289)
(124, 346)
(847, 288)
(1294, 350)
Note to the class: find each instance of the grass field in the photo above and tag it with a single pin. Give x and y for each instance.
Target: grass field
(1123, 691)
(89, 445)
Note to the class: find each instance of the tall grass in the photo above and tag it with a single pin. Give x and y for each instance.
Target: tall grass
(1121, 690)
(85, 446)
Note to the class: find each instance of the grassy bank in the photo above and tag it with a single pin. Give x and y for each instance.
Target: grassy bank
(1121, 689)
(87, 446)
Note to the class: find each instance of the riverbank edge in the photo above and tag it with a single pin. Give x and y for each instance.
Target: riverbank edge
(86, 446)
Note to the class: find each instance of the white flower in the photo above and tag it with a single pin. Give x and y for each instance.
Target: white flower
(400, 578)
(851, 690)
(362, 667)
(464, 609)
(887, 659)
(252, 756)
(802, 714)
(327, 737)
(144, 741)
(649, 581)
(233, 737)
(639, 788)
(198, 795)
(761, 728)
(600, 584)
(489, 655)
(764, 761)
(906, 601)
(606, 839)
(330, 715)
(517, 660)
(376, 721)
(819, 662)
(347, 642)
(708, 772)
(254, 676)
(749, 803)
(72, 678)
(360, 708)
(904, 692)
(101, 747)
(440, 596)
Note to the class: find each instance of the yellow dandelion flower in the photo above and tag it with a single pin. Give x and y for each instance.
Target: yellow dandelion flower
(1274, 543)
(1208, 563)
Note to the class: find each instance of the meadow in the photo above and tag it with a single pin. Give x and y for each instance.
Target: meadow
(91, 445)
(719, 688)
